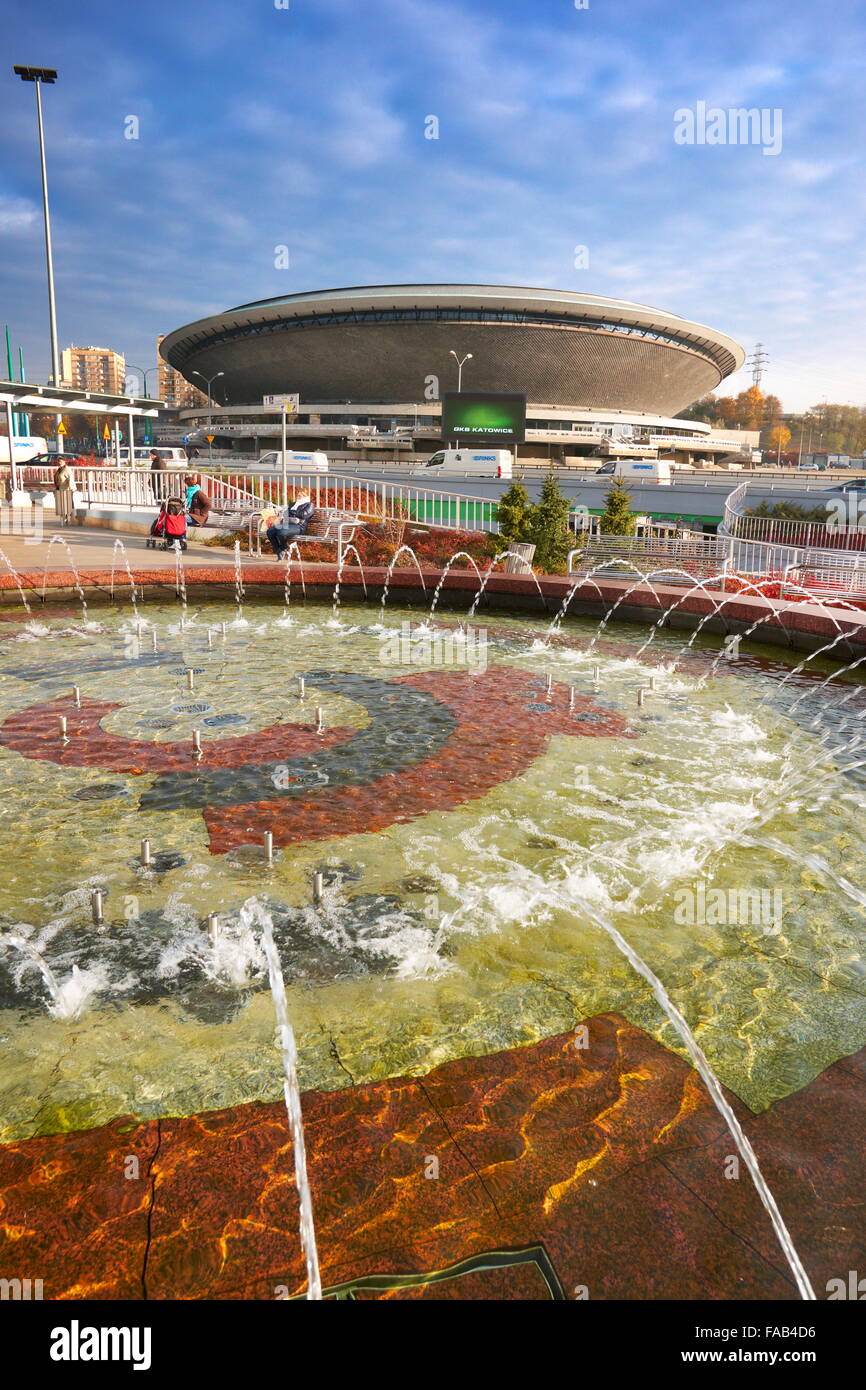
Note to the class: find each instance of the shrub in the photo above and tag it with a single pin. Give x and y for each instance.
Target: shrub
(548, 528)
(617, 518)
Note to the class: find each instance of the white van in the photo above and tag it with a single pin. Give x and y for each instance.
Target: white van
(26, 447)
(639, 470)
(481, 463)
(296, 462)
(171, 458)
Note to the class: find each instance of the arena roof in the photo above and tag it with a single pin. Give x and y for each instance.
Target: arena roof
(515, 335)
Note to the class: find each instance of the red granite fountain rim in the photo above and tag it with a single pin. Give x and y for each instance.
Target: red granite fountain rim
(814, 618)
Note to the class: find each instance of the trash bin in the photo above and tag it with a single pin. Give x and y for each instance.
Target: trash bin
(520, 560)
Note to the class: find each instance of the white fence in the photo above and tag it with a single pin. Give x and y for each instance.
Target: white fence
(242, 493)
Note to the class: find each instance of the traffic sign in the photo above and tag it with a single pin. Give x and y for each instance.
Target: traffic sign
(106, 433)
(210, 438)
(290, 403)
(61, 428)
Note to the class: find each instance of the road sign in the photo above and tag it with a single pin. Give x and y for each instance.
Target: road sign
(210, 438)
(61, 428)
(290, 403)
(106, 433)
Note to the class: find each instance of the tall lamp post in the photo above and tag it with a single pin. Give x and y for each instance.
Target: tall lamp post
(209, 380)
(37, 76)
(144, 373)
(460, 361)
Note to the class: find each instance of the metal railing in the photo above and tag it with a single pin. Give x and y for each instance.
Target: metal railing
(386, 501)
(706, 557)
(145, 487)
(808, 535)
(248, 492)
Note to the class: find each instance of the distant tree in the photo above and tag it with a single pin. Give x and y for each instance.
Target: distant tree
(780, 437)
(617, 518)
(549, 529)
(750, 408)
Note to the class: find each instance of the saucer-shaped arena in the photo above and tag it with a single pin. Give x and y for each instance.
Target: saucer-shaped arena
(394, 342)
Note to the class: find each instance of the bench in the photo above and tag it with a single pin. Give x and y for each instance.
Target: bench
(339, 529)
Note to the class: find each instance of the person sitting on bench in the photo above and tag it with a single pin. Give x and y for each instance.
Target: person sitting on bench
(293, 522)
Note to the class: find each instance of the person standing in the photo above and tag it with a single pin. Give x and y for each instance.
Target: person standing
(155, 479)
(63, 494)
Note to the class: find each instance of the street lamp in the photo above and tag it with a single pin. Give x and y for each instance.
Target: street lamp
(144, 374)
(460, 361)
(209, 380)
(37, 76)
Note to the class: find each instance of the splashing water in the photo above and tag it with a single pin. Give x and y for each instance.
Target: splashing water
(15, 575)
(253, 914)
(133, 593)
(409, 551)
(70, 997)
(716, 1095)
(239, 585)
(180, 580)
(506, 554)
(61, 540)
(336, 604)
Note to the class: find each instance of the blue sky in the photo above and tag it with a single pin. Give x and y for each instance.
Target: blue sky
(305, 127)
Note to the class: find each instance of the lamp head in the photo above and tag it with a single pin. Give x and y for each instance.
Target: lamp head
(28, 74)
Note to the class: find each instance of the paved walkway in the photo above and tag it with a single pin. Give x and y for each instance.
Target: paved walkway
(92, 549)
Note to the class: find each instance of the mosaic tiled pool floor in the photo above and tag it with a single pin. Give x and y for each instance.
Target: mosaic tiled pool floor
(460, 817)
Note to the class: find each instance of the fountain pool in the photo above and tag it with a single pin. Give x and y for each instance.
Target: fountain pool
(461, 823)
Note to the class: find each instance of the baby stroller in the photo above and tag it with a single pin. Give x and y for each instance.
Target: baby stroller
(170, 526)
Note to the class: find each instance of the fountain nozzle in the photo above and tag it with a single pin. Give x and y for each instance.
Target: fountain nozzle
(269, 846)
(63, 733)
(97, 912)
(318, 887)
(213, 928)
(190, 679)
(145, 854)
(76, 695)
(320, 721)
(196, 743)
(302, 686)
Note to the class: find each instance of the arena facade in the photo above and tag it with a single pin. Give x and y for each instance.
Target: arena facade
(370, 363)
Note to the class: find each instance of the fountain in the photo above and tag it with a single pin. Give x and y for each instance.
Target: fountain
(292, 1093)
(68, 999)
(239, 586)
(335, 611)
(180, 582)
(118, 545)
(459, 555)
(554, 891)
(404, 549)
(506, 555)
(57, 539)
(15, 575)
